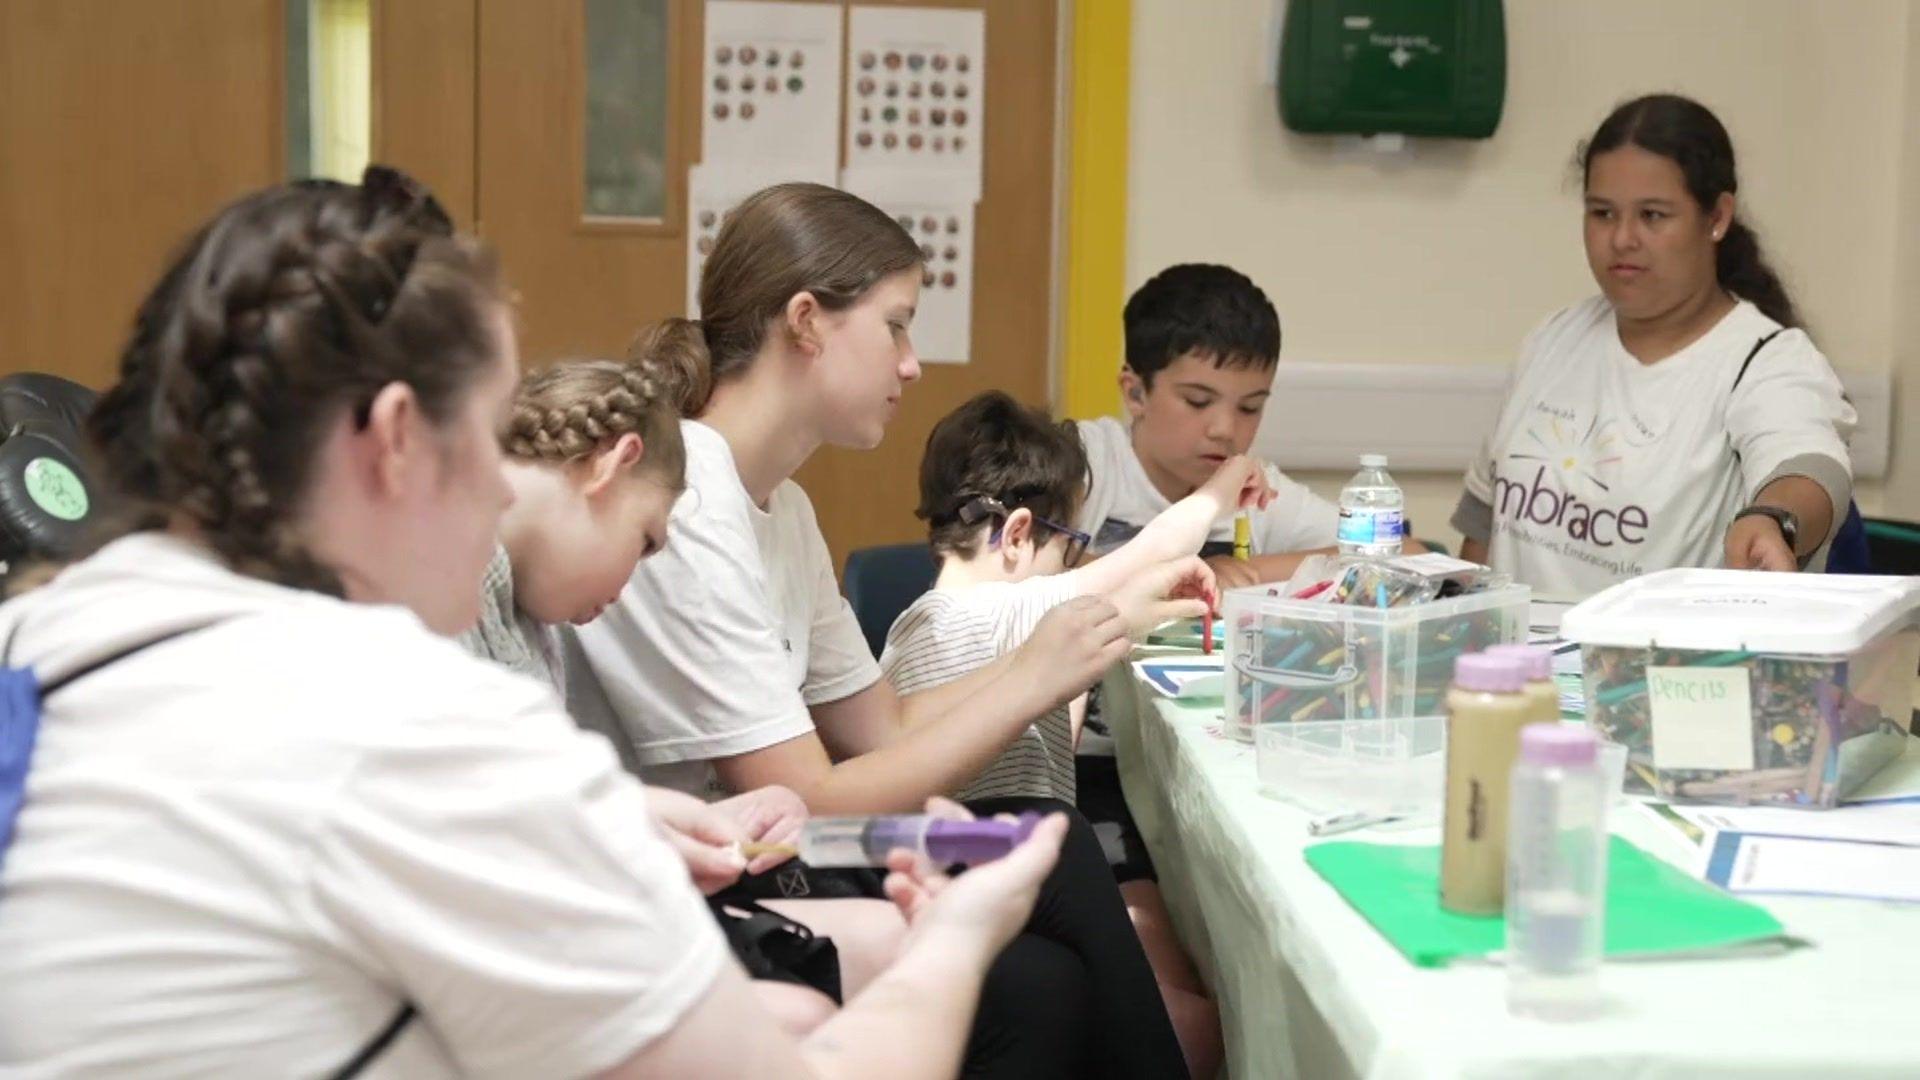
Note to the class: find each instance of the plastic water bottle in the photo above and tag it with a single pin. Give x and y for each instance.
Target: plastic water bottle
(1371, 509)
(1556, 874)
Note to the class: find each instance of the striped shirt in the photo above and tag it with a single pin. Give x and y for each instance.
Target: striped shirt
(946, 635)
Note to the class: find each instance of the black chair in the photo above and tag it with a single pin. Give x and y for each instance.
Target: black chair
(46, 497)
(881, 581)
(1893, 546)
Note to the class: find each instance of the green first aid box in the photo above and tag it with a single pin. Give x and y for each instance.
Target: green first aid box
(1415, 67)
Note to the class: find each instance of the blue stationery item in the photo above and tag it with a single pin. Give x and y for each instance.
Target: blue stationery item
(1744, 862)
(1184, 678)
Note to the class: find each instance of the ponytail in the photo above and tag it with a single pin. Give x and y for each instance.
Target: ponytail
(1743, 271)
(780, 242)
(673, 352)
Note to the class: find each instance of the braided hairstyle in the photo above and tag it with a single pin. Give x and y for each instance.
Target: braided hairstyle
(572, 410)
(291, 309)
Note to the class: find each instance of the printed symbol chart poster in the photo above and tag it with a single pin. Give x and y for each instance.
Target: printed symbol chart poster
(713, 191)
(916, 101)
(772, 84)
(941, 222)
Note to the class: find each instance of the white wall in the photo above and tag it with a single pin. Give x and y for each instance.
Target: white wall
(1451, 251)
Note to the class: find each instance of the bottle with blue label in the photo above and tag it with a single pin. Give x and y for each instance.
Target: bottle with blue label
(1372, 511)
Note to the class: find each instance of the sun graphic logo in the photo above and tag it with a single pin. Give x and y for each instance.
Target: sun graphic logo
(1583, 458)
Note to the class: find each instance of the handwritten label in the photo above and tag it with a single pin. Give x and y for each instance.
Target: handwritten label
(1702, 717)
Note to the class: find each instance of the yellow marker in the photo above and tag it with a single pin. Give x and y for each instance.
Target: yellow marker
(1242, 536)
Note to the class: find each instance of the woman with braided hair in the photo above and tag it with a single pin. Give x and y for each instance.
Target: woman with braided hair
(274, 824)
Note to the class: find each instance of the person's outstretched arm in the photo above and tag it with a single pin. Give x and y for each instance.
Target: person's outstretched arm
(911, 1021)
(1072, 647)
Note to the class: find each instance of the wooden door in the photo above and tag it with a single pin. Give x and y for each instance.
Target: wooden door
(587, 285)
(122, 126)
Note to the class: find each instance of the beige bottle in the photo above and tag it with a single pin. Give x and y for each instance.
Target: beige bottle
(1486, 708)
(1541, 689)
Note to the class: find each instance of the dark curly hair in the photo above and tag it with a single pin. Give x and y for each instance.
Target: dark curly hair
(994, 447)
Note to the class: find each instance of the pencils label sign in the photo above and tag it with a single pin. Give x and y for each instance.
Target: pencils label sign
(1702, 717)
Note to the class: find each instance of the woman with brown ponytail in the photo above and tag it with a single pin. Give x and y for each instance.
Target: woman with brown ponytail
(275, 824)
(1682, 417)
(731, 662)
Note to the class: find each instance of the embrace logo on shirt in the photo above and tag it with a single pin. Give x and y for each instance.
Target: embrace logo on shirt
(1558, 482)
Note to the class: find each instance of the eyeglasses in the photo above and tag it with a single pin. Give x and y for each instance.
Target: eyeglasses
(985, 507)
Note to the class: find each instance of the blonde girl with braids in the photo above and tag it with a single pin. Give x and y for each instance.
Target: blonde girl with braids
(272, 823)
(595, 461)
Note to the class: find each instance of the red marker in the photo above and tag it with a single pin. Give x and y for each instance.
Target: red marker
(1312, 591)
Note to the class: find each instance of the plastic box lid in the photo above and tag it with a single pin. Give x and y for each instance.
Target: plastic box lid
(1747, 610)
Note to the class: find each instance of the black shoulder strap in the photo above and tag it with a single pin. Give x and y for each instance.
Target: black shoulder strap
(1757, 346)
(88, 668)
(379, 1044)
(1744, 365)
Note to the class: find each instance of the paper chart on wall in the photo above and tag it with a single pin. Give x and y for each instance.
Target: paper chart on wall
(772, 88)
(939, 217)
(916, 101)
(713, 190)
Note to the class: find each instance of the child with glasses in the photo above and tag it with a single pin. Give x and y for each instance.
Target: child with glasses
(997, 481)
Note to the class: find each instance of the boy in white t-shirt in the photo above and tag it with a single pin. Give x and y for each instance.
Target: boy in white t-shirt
(1202, 344)
(997, 481)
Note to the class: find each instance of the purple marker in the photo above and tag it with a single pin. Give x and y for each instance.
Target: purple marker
(865, 841)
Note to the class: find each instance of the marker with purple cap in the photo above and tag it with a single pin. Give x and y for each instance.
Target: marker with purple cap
(866, 841)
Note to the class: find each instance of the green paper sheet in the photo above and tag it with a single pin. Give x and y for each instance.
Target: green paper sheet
(1653, 908)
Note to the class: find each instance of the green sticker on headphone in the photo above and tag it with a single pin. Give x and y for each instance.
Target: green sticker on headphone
(54, 488)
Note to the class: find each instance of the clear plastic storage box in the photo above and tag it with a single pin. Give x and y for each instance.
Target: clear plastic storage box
(1391, 767)
(1731, 686)
(1302, 660)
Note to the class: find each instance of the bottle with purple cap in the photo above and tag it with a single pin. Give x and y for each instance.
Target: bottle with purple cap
(1556, 873)
(865, 841)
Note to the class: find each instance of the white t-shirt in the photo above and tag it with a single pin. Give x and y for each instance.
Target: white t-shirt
(1121, 500)
(243, 849)
(1602, 468)
(945, 635)
(721, 641)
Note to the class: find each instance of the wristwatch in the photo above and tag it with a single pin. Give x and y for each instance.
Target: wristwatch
(1789, 524)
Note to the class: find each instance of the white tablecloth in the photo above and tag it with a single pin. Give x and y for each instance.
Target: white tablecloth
(1307, 988)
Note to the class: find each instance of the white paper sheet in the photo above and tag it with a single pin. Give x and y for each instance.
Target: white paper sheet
(1745, 863)
(713, 190)
(772, 89)
(939, 216)
(1889, 822)
(916, 92)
